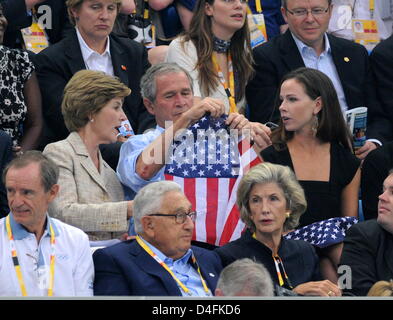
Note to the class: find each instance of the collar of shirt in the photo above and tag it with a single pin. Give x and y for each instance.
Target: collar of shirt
(19, 231)
(169, 261)
(87, 52)
(303, 48)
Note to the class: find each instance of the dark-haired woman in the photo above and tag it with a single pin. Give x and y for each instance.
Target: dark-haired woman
(313, 140)
(216, 51)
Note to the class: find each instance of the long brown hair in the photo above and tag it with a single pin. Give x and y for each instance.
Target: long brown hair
(331, 123)
(200, 33)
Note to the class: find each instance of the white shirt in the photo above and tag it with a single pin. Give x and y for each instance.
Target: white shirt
(74, 269)
(324, 63)
(93, 60)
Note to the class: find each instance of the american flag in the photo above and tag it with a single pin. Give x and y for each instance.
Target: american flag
(324, 233)
(208, 161)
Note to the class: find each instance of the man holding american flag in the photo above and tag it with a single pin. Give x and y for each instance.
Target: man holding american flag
(167, 94)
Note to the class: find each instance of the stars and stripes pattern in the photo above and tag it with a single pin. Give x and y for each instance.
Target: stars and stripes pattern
(324, 233)
(207, 160)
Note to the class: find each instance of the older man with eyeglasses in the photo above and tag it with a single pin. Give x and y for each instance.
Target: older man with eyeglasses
(306, 43)
(161, 260)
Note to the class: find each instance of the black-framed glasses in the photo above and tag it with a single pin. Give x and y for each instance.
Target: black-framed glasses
(301, 12)
(180, 218)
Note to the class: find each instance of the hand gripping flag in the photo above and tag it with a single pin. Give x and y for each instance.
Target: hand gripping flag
(208, 160)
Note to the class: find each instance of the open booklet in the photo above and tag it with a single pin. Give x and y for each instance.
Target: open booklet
(357, 123)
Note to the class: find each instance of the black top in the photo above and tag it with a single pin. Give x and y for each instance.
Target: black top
(367, 257)
(299, 258)
(323, 197)
(375, 169)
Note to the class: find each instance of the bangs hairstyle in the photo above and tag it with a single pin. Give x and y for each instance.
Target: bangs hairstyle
(331, 122)
(87, 93)
(76, 4)
(286, 180)
(200, 33)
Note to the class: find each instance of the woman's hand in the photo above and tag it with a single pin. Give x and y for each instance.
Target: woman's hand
(324, 288)
(260, 135)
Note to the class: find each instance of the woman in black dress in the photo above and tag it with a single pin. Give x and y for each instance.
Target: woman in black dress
(313, 139)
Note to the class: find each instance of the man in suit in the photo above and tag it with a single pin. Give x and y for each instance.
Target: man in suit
(161, 261)
(368, 246)
(92, 46)
(306, 43)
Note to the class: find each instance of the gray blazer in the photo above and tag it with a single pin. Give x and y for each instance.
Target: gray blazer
(90, 200)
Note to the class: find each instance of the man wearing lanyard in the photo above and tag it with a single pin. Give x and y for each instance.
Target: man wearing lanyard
(39, 255)
(161, 261)
(306, 43)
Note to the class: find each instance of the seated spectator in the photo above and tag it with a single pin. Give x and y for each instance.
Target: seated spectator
(20, 99)
(381, 289)
(368, 246)
(5, 158)
(168, 95)
(211, 47)
(30, 238)
(217, 53)
(161, 261)
(89, 47)
(271, 202)
(344, 62)
(90, 197)
(375, 169)
(244, 277)
(313, 140)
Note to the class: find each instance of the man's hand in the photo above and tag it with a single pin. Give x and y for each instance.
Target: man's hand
(214, 106)
(362, 152)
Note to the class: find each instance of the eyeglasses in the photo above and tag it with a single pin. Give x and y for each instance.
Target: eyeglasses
(180, 218)
(301, 12)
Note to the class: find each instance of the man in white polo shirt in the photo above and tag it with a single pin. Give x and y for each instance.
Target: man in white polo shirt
(39, 255)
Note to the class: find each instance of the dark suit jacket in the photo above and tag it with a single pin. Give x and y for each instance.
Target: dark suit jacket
(280, 55)
(127, 269)
(381, 59)
(58, 63)
(375, 170)
(368, 251)
(5, 157)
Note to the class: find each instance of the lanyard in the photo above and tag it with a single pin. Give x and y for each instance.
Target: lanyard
(372, 7)
(258, 6)
(163, 264)
(230, 91)
(278, 263)
(280, 271)
(16, 260)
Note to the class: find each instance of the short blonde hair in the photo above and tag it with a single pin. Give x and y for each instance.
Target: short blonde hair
(272, 173)
(87, 93)
(75, 4)
(381, 289)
